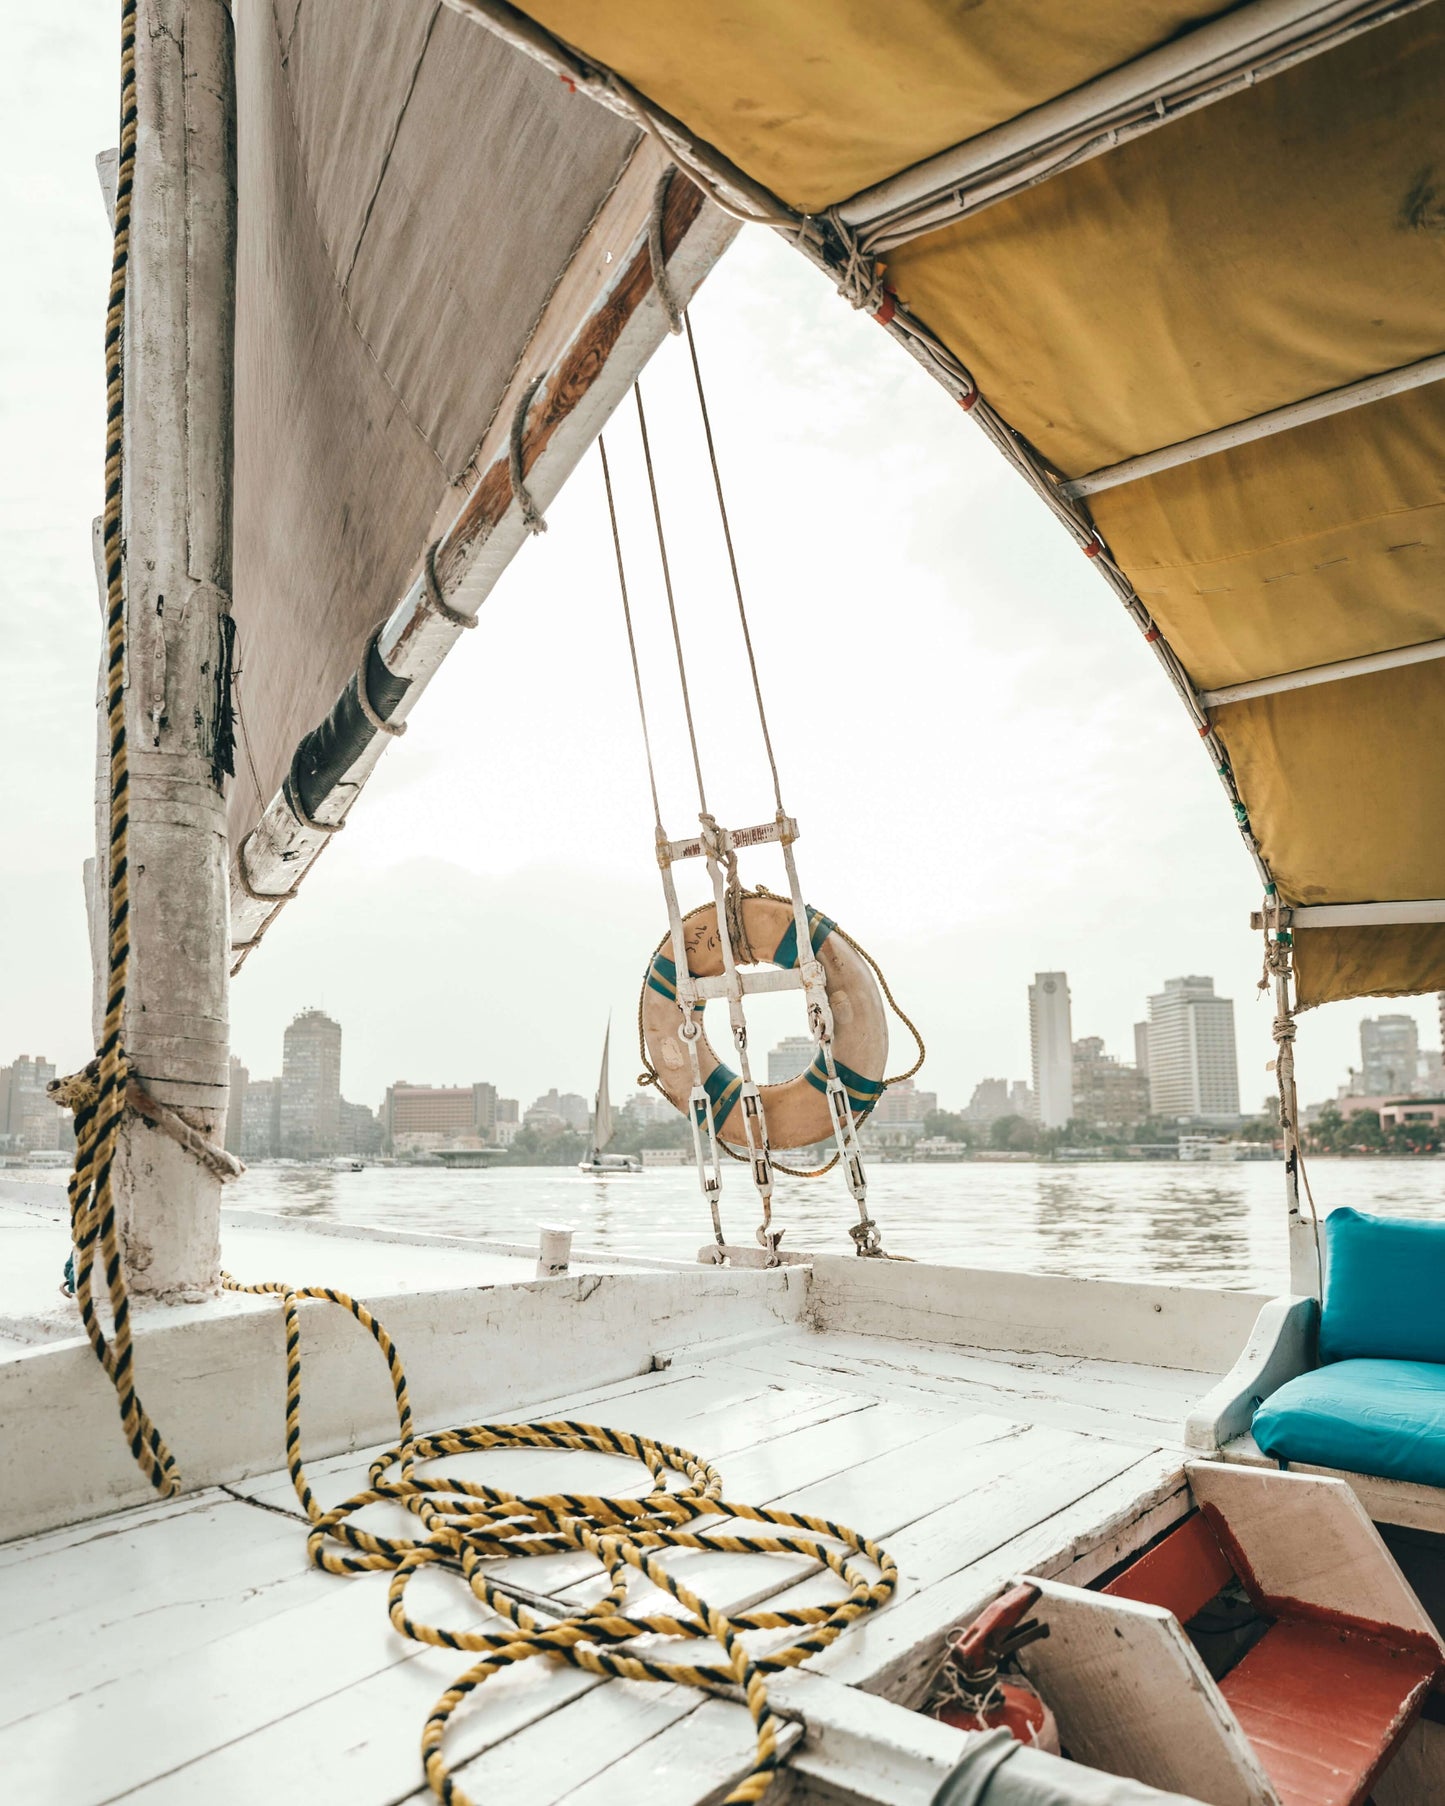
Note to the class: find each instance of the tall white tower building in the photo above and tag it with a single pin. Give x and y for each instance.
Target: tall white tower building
(1051, 1032)
(1193, 1067)
(1389, 1055)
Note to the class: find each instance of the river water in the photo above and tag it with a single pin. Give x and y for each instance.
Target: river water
(1201, 1224)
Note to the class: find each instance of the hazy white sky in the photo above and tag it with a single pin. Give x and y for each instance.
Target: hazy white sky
(991, 775)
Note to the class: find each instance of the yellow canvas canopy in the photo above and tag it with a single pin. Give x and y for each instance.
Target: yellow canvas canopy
(1140, 232)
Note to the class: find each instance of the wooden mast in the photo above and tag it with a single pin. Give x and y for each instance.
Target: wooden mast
(179, 337)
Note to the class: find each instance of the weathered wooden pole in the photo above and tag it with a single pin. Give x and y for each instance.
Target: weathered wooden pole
(179, 338)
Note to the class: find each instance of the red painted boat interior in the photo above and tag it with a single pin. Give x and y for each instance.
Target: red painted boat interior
(1325, 1706)
(1182, 1572)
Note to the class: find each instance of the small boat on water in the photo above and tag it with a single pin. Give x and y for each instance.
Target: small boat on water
(598, 1163)
(839, 1528)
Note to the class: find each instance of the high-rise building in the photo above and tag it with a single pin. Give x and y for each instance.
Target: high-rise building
(236, 1108)
(415, 1118)
(648, 1107)
(1141, 1047)
(311, 1087)
(261, 1120)
(1106, 1093)
(1389, 1055)
(791, 1056)
(989, 1101)
(1193, 1068)
(29, 1119)
(1051, 1037)
(903, 1103)
(565, 1107)
(360, 1131)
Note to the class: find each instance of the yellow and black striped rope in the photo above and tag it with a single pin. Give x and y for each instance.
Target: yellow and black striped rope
(98, 1094)
(468, 1526)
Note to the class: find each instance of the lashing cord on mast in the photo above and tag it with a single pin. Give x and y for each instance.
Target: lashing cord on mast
(98, 1094)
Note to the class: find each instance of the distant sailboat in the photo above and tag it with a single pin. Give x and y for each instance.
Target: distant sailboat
(597, 1159)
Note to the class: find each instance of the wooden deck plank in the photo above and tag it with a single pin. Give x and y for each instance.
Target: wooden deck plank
(82, 1625)
(898, 1653)
(969, 1453)
(382, 1709)
(324, 1694)
(714, 1414)
(74, 1536)
(1096, 1397)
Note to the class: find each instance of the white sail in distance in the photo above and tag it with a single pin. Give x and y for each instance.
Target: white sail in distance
(602, 1109)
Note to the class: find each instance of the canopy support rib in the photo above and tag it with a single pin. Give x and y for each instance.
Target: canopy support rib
(1410, 913)
(1311, 675)
(1259, 426)
(600, 327)
(1246, 46)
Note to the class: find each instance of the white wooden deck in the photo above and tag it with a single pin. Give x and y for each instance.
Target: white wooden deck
(183, 1652)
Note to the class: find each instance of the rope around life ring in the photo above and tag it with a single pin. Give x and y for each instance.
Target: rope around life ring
(797, 1110)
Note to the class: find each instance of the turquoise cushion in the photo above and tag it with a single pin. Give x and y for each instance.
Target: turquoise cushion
(1384, 1285)
(1385, 1418)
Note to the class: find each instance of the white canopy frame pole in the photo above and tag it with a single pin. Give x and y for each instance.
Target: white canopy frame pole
(1247, 45)
(1306, 1262)
(1259, 426)
(177, 460)
(1423, 653)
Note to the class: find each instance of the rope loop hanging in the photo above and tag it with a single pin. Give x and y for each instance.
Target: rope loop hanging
(656, 253)
(860, 281)
(291, 790)
(363, 688)
(531, 513)
(433, 599)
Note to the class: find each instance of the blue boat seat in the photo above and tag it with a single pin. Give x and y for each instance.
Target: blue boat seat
(1385, 1418)
(1376, 1403)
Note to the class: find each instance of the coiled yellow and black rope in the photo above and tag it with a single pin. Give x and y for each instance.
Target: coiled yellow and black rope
(467, 1525)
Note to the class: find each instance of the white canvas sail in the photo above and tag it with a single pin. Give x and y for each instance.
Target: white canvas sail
(602, 1114)
(411, 189)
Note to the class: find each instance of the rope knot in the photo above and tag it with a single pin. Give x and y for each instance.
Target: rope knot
(860, 281)
(78, 1090)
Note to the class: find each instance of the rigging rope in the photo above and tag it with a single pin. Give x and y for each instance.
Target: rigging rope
(631, 639)
(98, 1095)
(732, 559)
(466, 1525)
(671, 601)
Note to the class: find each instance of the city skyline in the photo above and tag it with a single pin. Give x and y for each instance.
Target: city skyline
(1104, 1089)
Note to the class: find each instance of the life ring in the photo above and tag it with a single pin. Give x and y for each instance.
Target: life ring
(796, 1111)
